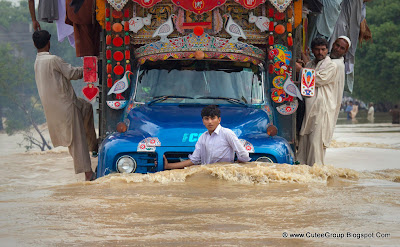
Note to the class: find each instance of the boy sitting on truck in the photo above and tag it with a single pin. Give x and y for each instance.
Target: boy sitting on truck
(217, 144)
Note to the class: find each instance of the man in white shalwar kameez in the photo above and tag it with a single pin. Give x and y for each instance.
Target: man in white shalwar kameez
(320, 114)
(69, 119)
(339, 49)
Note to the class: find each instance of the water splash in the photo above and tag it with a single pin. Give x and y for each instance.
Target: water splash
(392, 175)
(249, 173)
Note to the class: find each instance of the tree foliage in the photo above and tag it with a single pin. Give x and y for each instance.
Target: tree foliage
(377, 68)
(19, 101)
(11, 13)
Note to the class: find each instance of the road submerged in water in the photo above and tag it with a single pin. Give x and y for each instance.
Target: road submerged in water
(354, 201)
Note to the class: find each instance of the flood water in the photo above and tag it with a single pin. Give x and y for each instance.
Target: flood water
(353, 201)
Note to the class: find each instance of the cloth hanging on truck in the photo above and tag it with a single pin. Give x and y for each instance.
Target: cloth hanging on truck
(86, 28)
(323, 25)
(348, 24)
(64, 30)
(48, 10)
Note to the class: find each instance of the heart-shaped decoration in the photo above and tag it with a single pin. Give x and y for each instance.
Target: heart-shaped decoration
(280, 5)
(90, 91)
(117, 4)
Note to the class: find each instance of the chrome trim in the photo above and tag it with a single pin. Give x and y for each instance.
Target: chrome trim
(265, 157)
(130, 157)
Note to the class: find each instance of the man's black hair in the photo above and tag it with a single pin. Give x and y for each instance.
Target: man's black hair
(41, 38)
(319, 42)
(395, 106)
(210, 111)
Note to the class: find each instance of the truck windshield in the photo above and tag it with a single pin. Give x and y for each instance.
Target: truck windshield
(199, 81)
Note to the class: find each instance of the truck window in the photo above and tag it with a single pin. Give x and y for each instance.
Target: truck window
(204, 82)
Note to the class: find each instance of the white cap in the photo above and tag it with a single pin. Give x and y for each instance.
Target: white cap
(345, 38)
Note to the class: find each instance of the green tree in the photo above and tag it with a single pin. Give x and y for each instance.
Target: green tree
(19, 101)
(377, 68)
(11, 13)
(19, 98)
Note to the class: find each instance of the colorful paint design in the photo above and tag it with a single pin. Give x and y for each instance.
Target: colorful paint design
(280, 68)
(278, 95)
(142, 147)
(247, 145)
(308, 82)
(148, 145)
(130, 106)
(147, 3)
(278, 81)
(213, 47)
(267, 109)
(117, 104)
(152, 142)
(198, 6)
(288, 109)
(250, 4)
(291, 89)
(280, 53)
(280, 5)
(117, 4)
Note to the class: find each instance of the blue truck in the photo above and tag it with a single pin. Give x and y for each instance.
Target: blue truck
(171, 81)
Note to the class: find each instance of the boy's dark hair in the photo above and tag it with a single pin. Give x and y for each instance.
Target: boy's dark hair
(41, 38)
(210, 111)
(319, 42)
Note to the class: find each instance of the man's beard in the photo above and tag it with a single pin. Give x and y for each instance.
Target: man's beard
(334, 56)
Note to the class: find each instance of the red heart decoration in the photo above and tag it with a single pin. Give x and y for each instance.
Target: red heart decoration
(90, 91)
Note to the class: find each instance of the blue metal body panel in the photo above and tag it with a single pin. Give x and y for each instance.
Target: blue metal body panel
(178, 127)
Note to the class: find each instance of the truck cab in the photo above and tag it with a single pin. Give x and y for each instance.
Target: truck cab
(162, 116)
(162, 62)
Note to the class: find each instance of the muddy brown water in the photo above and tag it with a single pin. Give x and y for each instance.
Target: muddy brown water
(43, 203)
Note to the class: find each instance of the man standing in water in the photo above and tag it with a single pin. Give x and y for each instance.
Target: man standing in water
(217, 144)
(339, 49)
(395, 112)
(69, 119)
(317, 126)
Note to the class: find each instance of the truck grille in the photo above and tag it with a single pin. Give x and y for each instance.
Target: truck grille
(176, 156)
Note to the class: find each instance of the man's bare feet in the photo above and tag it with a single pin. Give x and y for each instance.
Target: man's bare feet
(90, 176)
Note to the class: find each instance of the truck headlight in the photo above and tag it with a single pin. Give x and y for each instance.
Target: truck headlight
(126, 164)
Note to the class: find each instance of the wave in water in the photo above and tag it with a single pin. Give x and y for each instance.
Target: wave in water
(249, 173)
